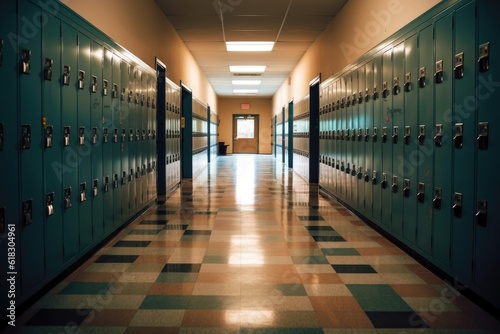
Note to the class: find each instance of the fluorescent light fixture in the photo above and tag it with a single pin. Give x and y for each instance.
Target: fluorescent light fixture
(246, 82)
(250, 46)
(245, 91)
(247, 69)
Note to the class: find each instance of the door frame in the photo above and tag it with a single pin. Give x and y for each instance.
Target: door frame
(257, 127)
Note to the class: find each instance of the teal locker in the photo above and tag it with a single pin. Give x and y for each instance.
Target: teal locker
(397, 133)
(144, 143)
(31, 167)
(387, 182)
(349, 143)
(443, 138)
(337, 148)
(487, 259)
(343, 143)
(361, 139)
(96, 139)
(425, 87)
(70, 157)
(117, 141)
(125, 96)
(52, 146)
(464, 140)
(322, 129)
(290, 133)
(132, 141)
(378, 121)
(368, 142)
(9, 139)
(152, 141)
(408, 166)
(330, 146)
(107, 140)
(354, 139)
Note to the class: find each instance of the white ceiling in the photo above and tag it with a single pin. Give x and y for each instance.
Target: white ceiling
(205, 26)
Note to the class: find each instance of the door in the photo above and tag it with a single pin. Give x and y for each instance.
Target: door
(246, 134)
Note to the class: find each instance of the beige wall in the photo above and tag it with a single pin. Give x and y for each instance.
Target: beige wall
(258, 106)
(360, 26)
(141, 28)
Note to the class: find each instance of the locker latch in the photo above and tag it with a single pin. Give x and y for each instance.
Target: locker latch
(482, 212)
(394, 186)
(439, 78)
(374, 177)
(1, 52)
(122, 94)
(436, 202)
(395, 131)
(115, 181)
(421, 134)
(25, 61)
(367, 175)
(105, 187)
(338, 105)
(367, 135)
(138, 173)
(367, 95)
(342, 168)
(354, 99)
(1, 136)
(360, 97)
(47, 72)
(360, 134)
(149, 102)
(115, 135)
(484, 57)
(130, 96)
(438, 137)
(67, 198)
(353, 134)
(136, 100)
(150, 136)
(137, 135)
(153, 104)
(342, 103)
(94, 136)
(93, 87)
(375, 134)
(375, 93)
(408, 86)
(27, 212)
(81, 79)
(131, 135)
(143, 100)
(342, 135)
(105, 135)
(124, 177)
(154, 165)
(384, 134)
(459, 66)
(406, 188)
(154, 134)
(360, 173)
(396, 89)
(131, 175)
(421, 77)
(26, 136)
(83, 195)
(104, 87)
(114, 91)
(482, 139)
(457, 205)
(81, 137)
(383, 183)
(348, 103)
(385, 90)
(458, 137)
(66, 71)
(66, 133)
(48, 136)
(124, 135)
(348, 168)
(95, 188)
(143, 135)
(3, 220)
(407, 134)
(337, 165)
(149, 167)
(49, 202)
(421, 192)
(143, 169)
(353, 170)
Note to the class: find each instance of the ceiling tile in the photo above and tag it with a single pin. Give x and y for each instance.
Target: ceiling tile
(201, 35)
(316, 22)
(206, 46)
(195, 22)
(253, 22)
(298, 35)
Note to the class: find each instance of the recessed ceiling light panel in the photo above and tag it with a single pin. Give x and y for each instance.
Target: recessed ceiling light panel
(246, 82)
(250, 46)
(247, 69)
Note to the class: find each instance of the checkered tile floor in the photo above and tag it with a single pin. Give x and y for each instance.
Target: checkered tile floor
(249, 247)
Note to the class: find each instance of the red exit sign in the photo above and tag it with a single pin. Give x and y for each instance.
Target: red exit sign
(245, 106)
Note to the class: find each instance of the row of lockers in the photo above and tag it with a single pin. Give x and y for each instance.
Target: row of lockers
(407, 137)
(172, 135)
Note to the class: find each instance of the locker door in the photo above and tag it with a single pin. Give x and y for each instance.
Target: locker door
(378, 121)
(337, 145)
(425, 87)
(70, 156)
(464, 140)
(9, 139)
(349, 143)
(354, 139)
(145, 80)
(487, 229)
(443, 146)
(116, 141)
(330, 145)
(407, 167)
(368, 105)
(343, 142)
(397, 140)
(107, 140)
(361, 140)
(96, 139)
(322, 141)
(290, 134)
(52, 146)
(386, 181)
(84, 191)
(154, 130)
(125, 138)
(132, 141)
(32, 197)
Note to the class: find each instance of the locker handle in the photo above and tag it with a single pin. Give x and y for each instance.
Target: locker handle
(482, 139)
(353, 170)
(354, 99)
(47, 72)
(457, 205)
(395, 135)
(360, 98)
(26, 136)
(439, 76)
(384, 135)
(375, 135)
(353, 134)
(367, 95)
(360, 173)
(438, 138)
(66, 77)
(459, 66)
(394, 186)
(421, 192)
(385, 90)
(436, 202)
(396, 89)
(48, 136)
(484, 57)
(95, 188)
(421, 78)
(27, 212)
(482, 212)
(367, 135)
(375, 93)
(374, 178)
(408, 85)
(348, 168)
(50, 204)
(81, 79)
(458, 138)
(367, 176)
(360, 134)
(67, 198)
(406, 188)
(421, 135)
(407, 135)
(83, 195)
(25, 61)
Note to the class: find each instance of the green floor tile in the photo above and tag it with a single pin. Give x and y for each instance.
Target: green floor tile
(214, 303)
(378, 297)
(323, 233)
(155, 302)
(340, 251)
(215, 259)
(291, 289)
(177, 277)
